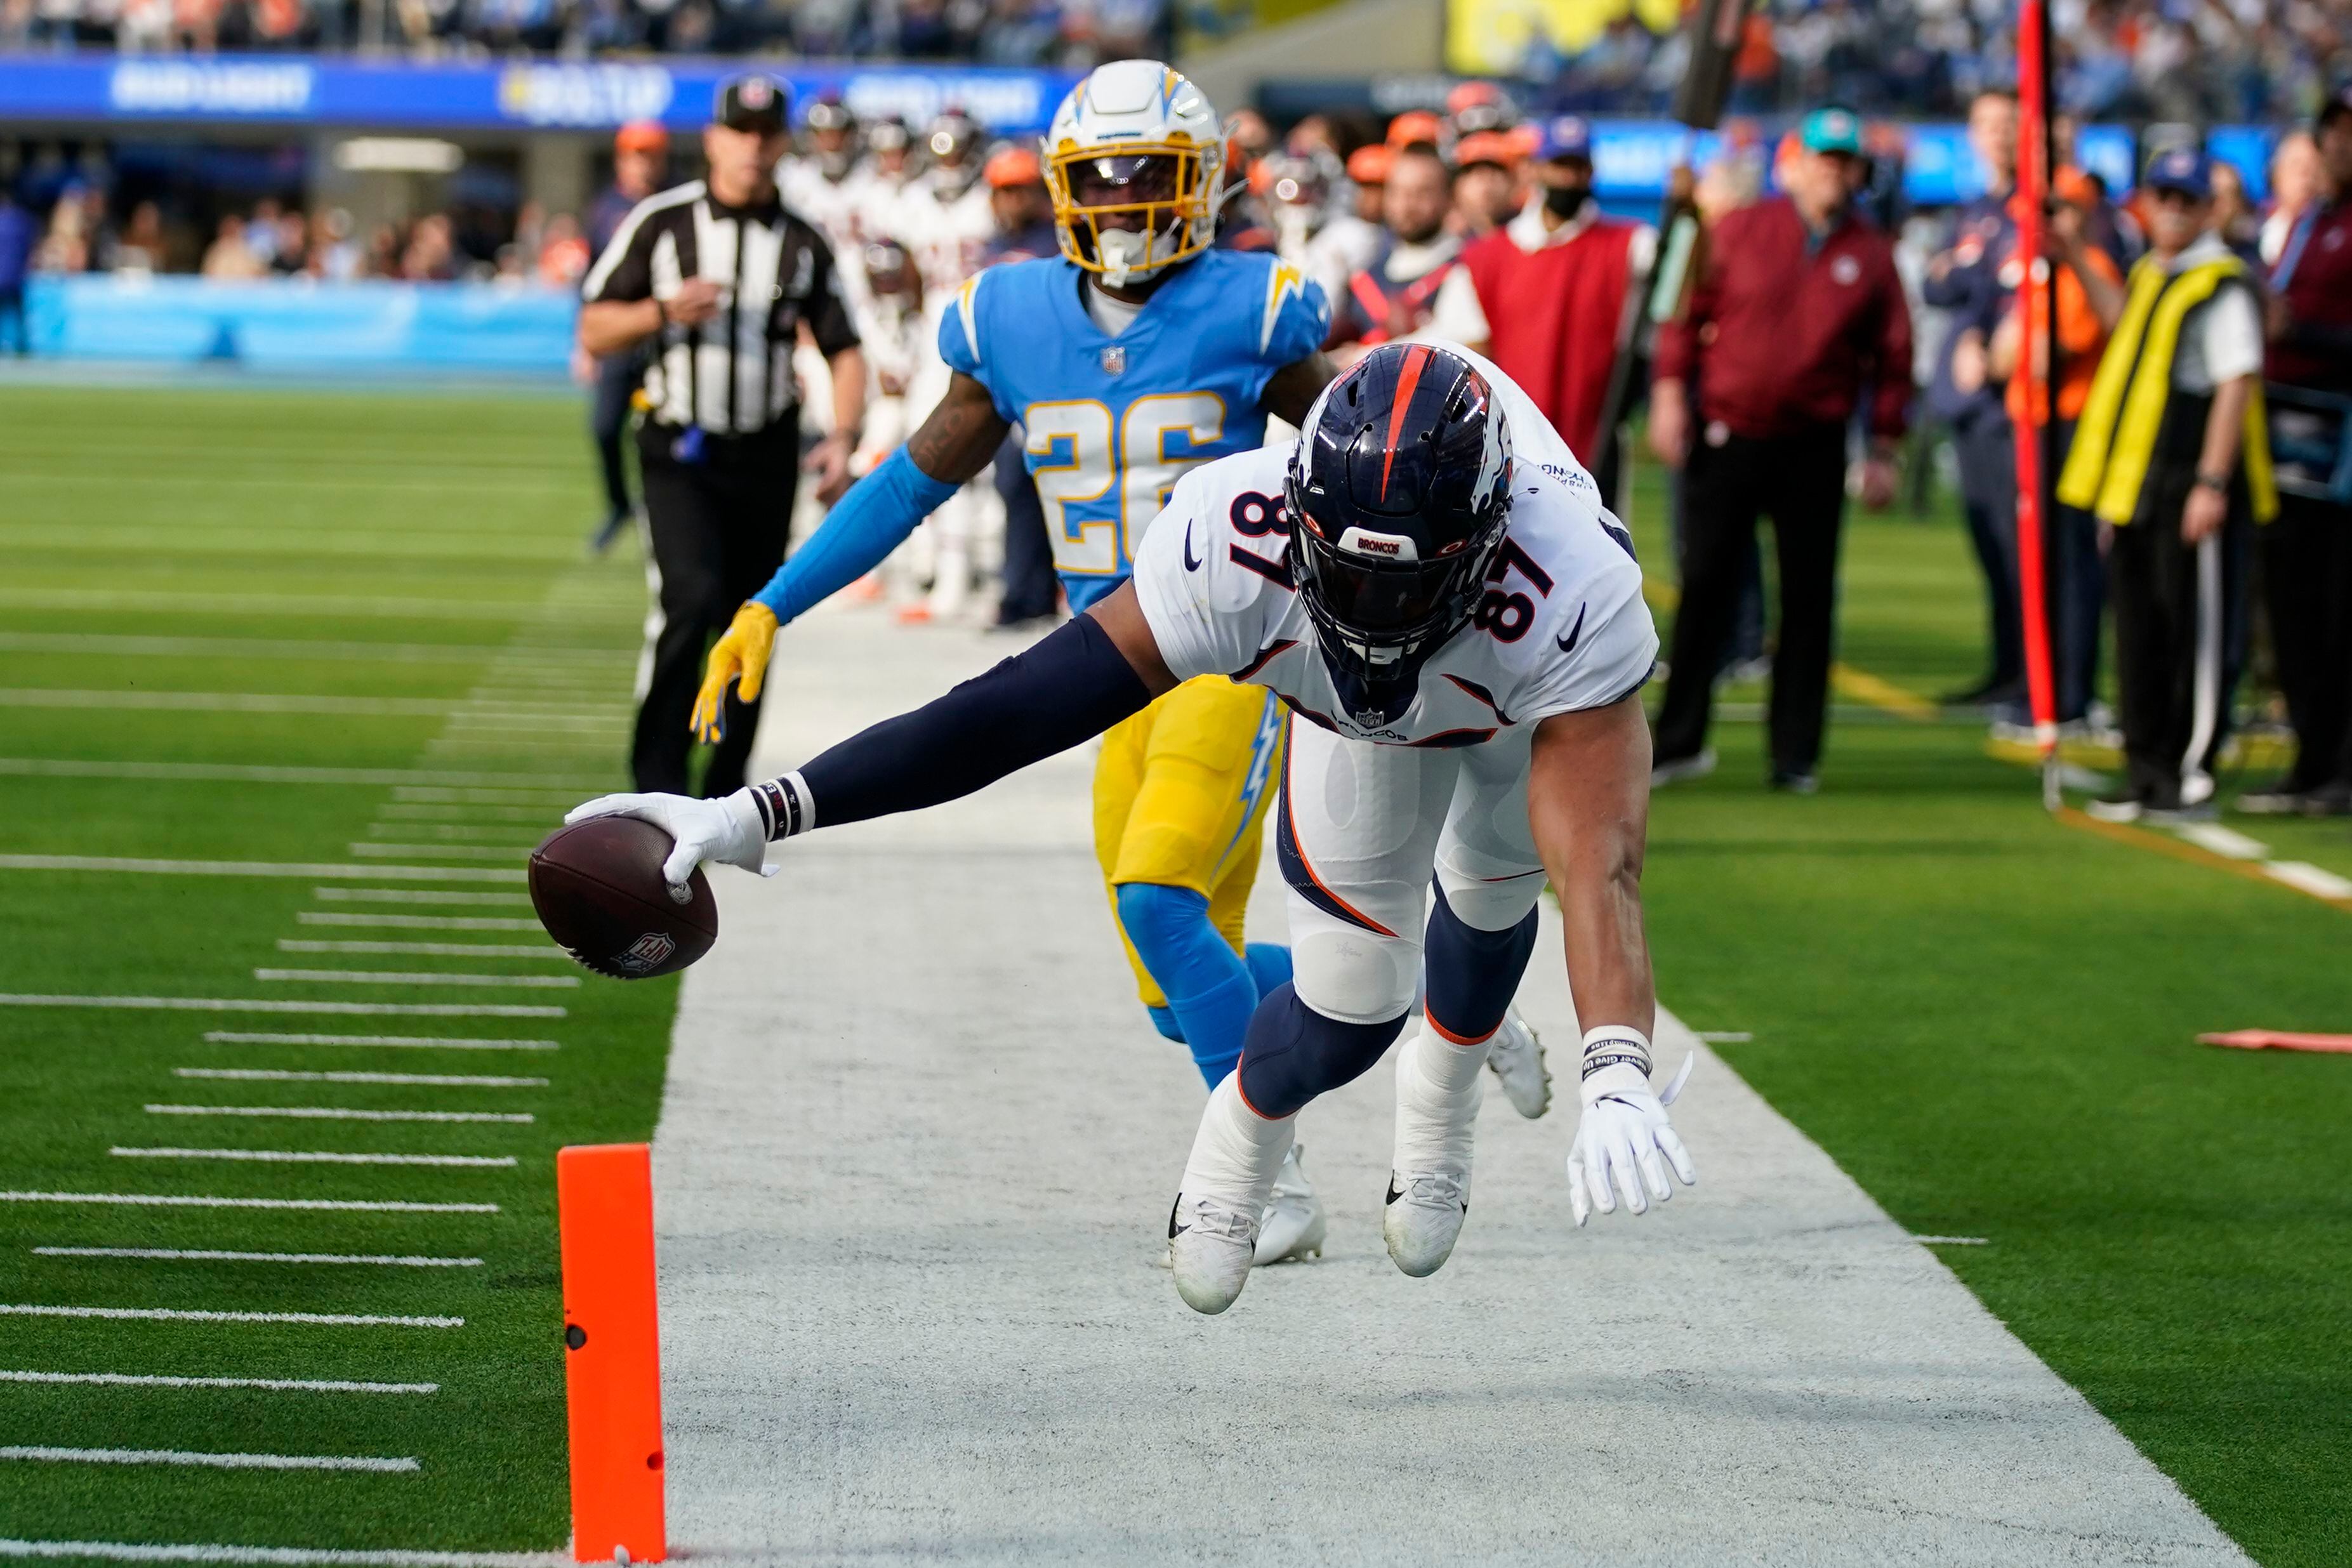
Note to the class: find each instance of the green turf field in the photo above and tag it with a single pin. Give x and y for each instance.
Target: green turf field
(355, 632)
(340, 632)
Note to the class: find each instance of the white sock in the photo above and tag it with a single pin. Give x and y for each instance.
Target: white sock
(1446, 1069)
(1237, 1152)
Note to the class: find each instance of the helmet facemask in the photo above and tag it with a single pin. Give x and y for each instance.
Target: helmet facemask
(1125, 211)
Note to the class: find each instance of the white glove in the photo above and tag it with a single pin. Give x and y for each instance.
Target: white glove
(1625, 1133)
(729, 832)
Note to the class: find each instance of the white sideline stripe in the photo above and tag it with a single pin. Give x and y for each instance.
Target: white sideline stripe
(418, 922)
(435, 782)
(229, 702)
(1953, 1240)
(243, 1005)
(505, 852)
(413, 896)
(398, 1041)
(276, 1075)
(208, 1461)
(257, 868)
(2223, 841)
(176, 1200)
(2307, 878)
(279, 1556)
(275, 1384)
(341, 1113)
(317, 1157)
(430, 949)
(415, 977)
(195, 1315)
(208, 1255)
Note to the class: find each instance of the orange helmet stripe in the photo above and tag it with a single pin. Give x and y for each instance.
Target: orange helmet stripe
(1407, 378)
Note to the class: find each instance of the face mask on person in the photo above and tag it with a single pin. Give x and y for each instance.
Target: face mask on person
(1566, 201)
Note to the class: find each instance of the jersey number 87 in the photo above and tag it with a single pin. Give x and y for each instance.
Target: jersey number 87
(1084, 455)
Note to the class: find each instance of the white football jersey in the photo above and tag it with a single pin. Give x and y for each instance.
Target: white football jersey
(1561, 625)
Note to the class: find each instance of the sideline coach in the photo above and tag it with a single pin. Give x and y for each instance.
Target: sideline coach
(1800, 309)
(723, 281)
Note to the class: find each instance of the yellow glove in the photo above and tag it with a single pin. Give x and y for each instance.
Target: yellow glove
(739, 656)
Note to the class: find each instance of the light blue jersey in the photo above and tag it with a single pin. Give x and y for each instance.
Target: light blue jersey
(1112, 423)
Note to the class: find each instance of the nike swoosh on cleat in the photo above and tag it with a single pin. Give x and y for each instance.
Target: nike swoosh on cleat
(1566, 644)
(1394, 1194)
(1191, 562)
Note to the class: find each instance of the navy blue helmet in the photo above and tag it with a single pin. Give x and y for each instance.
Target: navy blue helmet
(1398, 490)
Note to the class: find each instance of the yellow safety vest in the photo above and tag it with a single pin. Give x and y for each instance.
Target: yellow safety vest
(2115, 438)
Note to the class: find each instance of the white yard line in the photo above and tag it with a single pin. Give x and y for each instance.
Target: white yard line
(280, 1076)
(121, 647)
(319, 1157)
(446, 832)
(226, 702)
(418, 922)
(191, 1315)
(207, 1461)
(484, 791)
(414, 895)
(415, 978)
(431, 783)
(398, 812)
(322, 1204)
(1952, 1241)
(303, 605)
(2308, 878)
(214, 1255)
(274, 1385)
(341, 1113)
(2222, 840)
(279, 1557)
(392, 1041)
(245, 1004)
(540, 950)
(504, 854)
(257, 868)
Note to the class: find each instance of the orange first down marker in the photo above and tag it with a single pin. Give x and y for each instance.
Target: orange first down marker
(612, 1357)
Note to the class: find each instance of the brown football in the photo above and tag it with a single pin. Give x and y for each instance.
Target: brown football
(598, 888)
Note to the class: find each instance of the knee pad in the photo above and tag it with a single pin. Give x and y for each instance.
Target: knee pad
(1294, 1053)
(1471, 974)
(1352, 975)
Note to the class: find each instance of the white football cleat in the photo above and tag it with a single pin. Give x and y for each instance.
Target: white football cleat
(1429, 1185)
(1211, 1247)
(1292, 1225)
(1516, 1056)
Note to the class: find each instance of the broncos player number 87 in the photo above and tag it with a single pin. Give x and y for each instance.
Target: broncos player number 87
(1429, 580)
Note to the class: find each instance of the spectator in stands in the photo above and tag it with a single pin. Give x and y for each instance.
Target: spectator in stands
(334, 253)
(229, 259)
(1394, 294)
(20, 231)
(2307, 551)
(1965, 280)
(1368, 172)
(1488, 187)
(2298, 178)
(1796, 314)
(141, 250)
(1544, 298)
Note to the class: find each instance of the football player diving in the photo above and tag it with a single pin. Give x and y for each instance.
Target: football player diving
(1427, 576)
(1136, 356)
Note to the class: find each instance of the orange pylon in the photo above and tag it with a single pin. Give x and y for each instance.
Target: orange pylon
(612, 1358)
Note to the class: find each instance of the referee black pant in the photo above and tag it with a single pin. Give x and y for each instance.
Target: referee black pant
(1799, 480)
(720, 519)
(2307, 589)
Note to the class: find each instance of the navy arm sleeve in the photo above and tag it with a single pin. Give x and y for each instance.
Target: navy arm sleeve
(1070, 687)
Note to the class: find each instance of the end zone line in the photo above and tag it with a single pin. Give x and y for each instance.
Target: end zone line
(395, 1041)
(215, 1254)
(256, 1005)
(147, 867)
(273, 1075)
(178, 1200)
(275, 1384)
(194, 1315)
(341, 1113)
(415, 977)
(208, 1461)
(317, 1156)
(279, 1556)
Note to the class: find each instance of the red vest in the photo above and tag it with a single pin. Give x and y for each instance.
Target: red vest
(1553, 319)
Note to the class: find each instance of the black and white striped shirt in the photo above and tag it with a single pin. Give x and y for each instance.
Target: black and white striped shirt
(733, 374)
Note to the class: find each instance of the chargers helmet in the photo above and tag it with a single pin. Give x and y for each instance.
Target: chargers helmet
(1399, 490)
(1136, 165)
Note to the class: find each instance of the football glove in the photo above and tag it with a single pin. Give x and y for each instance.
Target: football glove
(729, 832)
(1624, 1142)
(741, 657)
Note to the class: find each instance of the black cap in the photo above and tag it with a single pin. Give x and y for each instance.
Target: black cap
(749, 103)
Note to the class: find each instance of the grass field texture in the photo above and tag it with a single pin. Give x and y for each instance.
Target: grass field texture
(354, 634)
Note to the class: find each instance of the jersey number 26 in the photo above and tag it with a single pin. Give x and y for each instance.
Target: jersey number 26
(1078, 457)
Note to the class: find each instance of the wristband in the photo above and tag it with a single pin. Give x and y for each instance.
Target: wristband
(1616, 1045)
(2216, 483)
(661, 313)
(786, 808)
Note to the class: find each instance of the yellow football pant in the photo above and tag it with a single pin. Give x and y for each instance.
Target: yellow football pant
(1181, 796)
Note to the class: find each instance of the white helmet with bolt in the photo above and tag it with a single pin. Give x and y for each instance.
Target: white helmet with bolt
(1135, 162)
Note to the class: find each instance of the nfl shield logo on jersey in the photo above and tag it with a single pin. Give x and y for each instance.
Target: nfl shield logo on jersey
(1114, 360)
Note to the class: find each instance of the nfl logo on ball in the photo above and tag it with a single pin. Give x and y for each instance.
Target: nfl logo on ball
(648, 951)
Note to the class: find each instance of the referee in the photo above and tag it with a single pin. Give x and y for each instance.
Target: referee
(719, 282)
